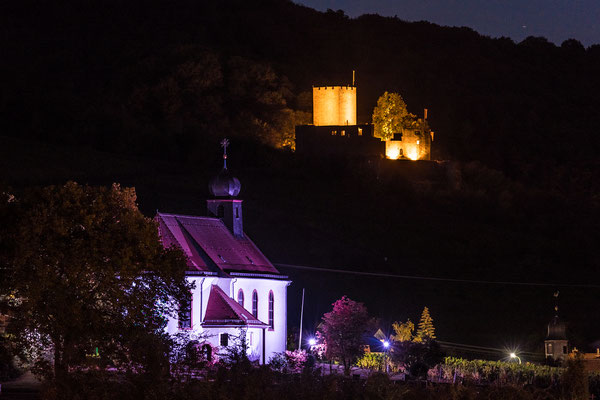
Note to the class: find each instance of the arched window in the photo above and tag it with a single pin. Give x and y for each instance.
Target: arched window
(241, 297)
(255, 304)
(271, 311)
(207, 350)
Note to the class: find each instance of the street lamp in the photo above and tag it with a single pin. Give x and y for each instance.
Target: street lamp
(386, 346)
(513, 355)
(312, 341)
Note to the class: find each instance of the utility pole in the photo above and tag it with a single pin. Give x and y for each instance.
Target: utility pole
(301, 315)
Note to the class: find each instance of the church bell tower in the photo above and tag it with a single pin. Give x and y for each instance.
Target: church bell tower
(225, 187)
(556, 345)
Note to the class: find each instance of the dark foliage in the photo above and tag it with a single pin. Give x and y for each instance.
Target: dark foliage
(87, 283)
(262, 384)
(137, 78)
(574, 381)
(417, 357)
(8, 368)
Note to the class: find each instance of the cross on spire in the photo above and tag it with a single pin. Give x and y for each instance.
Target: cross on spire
(224, 144)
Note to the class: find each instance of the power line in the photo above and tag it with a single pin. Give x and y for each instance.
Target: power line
(431, 278)
(470, 347)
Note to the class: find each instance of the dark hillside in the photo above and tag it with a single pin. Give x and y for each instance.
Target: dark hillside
(140, 92)
(458, 222)
(91, 72)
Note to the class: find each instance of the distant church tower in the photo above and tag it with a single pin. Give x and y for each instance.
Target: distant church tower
(225, 187)
(556, 343)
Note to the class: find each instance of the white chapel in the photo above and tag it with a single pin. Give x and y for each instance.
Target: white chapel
(237, 289)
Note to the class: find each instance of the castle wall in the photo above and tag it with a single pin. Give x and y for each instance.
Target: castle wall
(347, 106)
(334, 105)
(338, 140)
(412, 144)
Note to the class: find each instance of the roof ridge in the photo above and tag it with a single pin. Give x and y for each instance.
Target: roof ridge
(192, 216)
(209, 241)
(224, 296)
(240, 315)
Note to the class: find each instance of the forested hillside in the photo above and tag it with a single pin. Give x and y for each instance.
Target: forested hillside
(141, 92)
(154, 77)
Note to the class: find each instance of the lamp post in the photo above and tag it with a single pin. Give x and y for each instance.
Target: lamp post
(386, 346)
(513, 355)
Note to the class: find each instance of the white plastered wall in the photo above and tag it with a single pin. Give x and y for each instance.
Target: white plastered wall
(275, 339)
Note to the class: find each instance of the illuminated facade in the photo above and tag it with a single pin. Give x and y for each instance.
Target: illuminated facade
(335, 131)
(591, 361)
(334, 105)
(412, 144)
(237, 292)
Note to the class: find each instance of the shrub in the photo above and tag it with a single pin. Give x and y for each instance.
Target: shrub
(8, 369)
(290, 361)
(373, 361)
(496, 372)
(574, 381)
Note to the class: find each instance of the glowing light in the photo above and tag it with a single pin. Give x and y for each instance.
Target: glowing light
(312, 341)
(412, 154)
(386, 344)
(392, 149)
(513, 355)
(393, 154)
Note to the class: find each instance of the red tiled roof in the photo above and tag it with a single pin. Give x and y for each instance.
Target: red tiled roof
(223, 310)
(171, 234)
(210, 246)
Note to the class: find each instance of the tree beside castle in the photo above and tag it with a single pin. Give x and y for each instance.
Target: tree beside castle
(390, 115)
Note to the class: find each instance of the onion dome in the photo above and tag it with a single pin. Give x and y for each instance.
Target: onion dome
(224, 184)
(557, 329)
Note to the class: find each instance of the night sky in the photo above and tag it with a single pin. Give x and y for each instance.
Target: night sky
(557, 20)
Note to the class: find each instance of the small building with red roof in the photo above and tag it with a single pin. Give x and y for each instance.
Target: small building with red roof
(238, 293)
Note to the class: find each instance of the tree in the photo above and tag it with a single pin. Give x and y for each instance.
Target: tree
(391, 116)
(344, 329)
(418, 352)
(574, 380)
(426, 331)
(403, 331)
(86, 271)
(417, 357)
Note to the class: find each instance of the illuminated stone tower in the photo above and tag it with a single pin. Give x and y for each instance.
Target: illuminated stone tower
(334, 131)
(334, 105)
